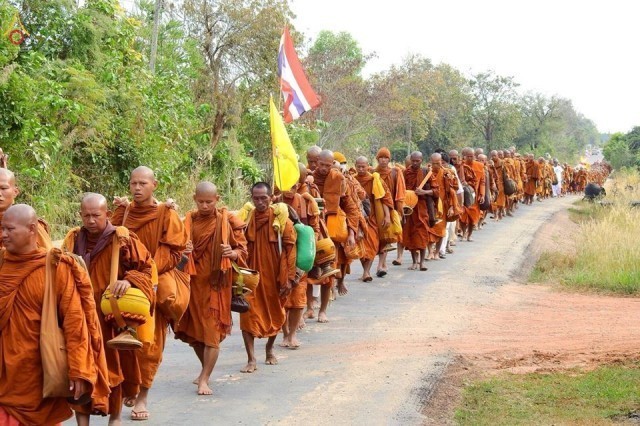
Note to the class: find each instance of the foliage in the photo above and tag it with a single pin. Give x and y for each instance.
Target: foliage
(607, 394)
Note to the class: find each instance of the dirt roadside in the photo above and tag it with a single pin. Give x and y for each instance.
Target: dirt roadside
(537, 328)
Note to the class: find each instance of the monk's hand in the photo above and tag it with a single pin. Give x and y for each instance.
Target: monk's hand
(421, 191)
(120, 287)
(79, 387)
(386, 221)
(187, 251)
(285, 290)
(227, 251)
(120, 201)
(351, 240)
(481, 200)
(171, 203)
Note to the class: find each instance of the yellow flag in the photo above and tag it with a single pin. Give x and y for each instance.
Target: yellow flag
(285, 160)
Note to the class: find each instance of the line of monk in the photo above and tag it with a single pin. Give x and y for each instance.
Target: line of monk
(188, 271)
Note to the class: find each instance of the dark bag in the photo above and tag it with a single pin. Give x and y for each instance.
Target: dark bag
(555, 179)
(487, 193)
(469, 195)
(239, 304)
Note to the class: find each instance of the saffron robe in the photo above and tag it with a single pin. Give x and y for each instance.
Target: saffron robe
(371, 241)
(135, 267)
(415, 231)
(166, 253)
(21, 301)
(474, 175)
(208, 319)
(267, 315)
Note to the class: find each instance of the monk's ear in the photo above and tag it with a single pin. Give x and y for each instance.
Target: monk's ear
(155, 184)
(16, 191)
(109, 214)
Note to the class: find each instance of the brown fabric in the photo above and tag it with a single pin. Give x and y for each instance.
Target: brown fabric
(267, 315)
(21, 295)
(440, 180)
(135, 267)
(496, 172)
(474, 175)
(533, 175)
(208, 318)
(371, 241)
(415, 231)
(167, 252)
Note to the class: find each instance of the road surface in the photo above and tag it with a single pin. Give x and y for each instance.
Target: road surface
(373, 363)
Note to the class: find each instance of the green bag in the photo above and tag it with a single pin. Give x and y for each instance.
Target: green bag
(305, 246)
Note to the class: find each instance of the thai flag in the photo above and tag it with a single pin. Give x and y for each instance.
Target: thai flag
(298, 94)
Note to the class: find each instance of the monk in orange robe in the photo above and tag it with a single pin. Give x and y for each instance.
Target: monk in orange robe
(93, 242)
(336, 195)
(497, 171)
(274, 256)
(394, 178)
(473, 175)
(533, 176)
(22, 290)
(371, 242)
(215, 234)
(415, 231)
(444, 185)
(163, 234)
(8, 193)
(306, 207)
(358, 196)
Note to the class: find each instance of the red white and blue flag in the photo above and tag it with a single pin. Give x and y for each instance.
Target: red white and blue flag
(298, 94)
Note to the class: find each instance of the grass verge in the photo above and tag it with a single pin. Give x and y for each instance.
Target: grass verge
(602, 396)
(607, 258)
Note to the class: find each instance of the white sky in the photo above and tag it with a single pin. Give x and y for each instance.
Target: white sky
(585, 51)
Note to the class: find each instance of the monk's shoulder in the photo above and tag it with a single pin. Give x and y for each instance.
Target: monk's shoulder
(44, 225)
(235, 221)
(69, 240)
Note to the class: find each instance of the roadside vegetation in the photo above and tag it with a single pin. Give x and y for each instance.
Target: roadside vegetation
(607, 252)
(609, 394)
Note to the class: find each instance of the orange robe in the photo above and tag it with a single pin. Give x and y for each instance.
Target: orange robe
(307, 209)
(266, 314)
(393, 176)
(371, 241)
(21, 301)
(444, 184)
(532, 170)
(337, 195)
(166, 253)
(496, 172)
(208, 318)
(135, 267)
(474, 176)
(415, 231)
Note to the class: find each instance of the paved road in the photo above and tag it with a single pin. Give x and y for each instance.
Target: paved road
(374, 363)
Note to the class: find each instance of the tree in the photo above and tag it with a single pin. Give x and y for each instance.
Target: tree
(617, 152)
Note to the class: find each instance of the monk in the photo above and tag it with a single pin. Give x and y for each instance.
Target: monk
(306, 208)
(8, 193)
(22, 290)
(215, 234)
(444, 185)
(532, 171)
(400, 251)
(371, 242)
(334, 191)
(313, 291)
(497, 171)
(486, 163)
(163, 234)
(474, 176)
(394, 178)
(415, 232)
(274, 256)
(93, 242)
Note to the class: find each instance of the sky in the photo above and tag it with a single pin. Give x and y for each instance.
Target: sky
(586, 51)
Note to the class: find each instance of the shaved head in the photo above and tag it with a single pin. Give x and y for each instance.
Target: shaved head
(8, 189)
(326, 155)
(303, 173)
(94, 213)
(436, 157)
(416, 159)
(362, 159)
(312, 157)
(142, 184)
(20, 229)
(362, 165)
(325, 162)
(94, 199)
(314, 150)
(206, 188)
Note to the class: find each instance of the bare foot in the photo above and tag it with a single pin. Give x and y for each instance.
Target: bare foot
(413, 267)
(342, 289)
(295, 343)
(322, 317)
(285, 343)
(131, 401)
(204, 389)
(301, 324)
(309, 314)
(271, 360)
(250, 367)
(334, 294)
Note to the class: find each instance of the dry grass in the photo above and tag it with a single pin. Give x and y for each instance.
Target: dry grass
(608, 244)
